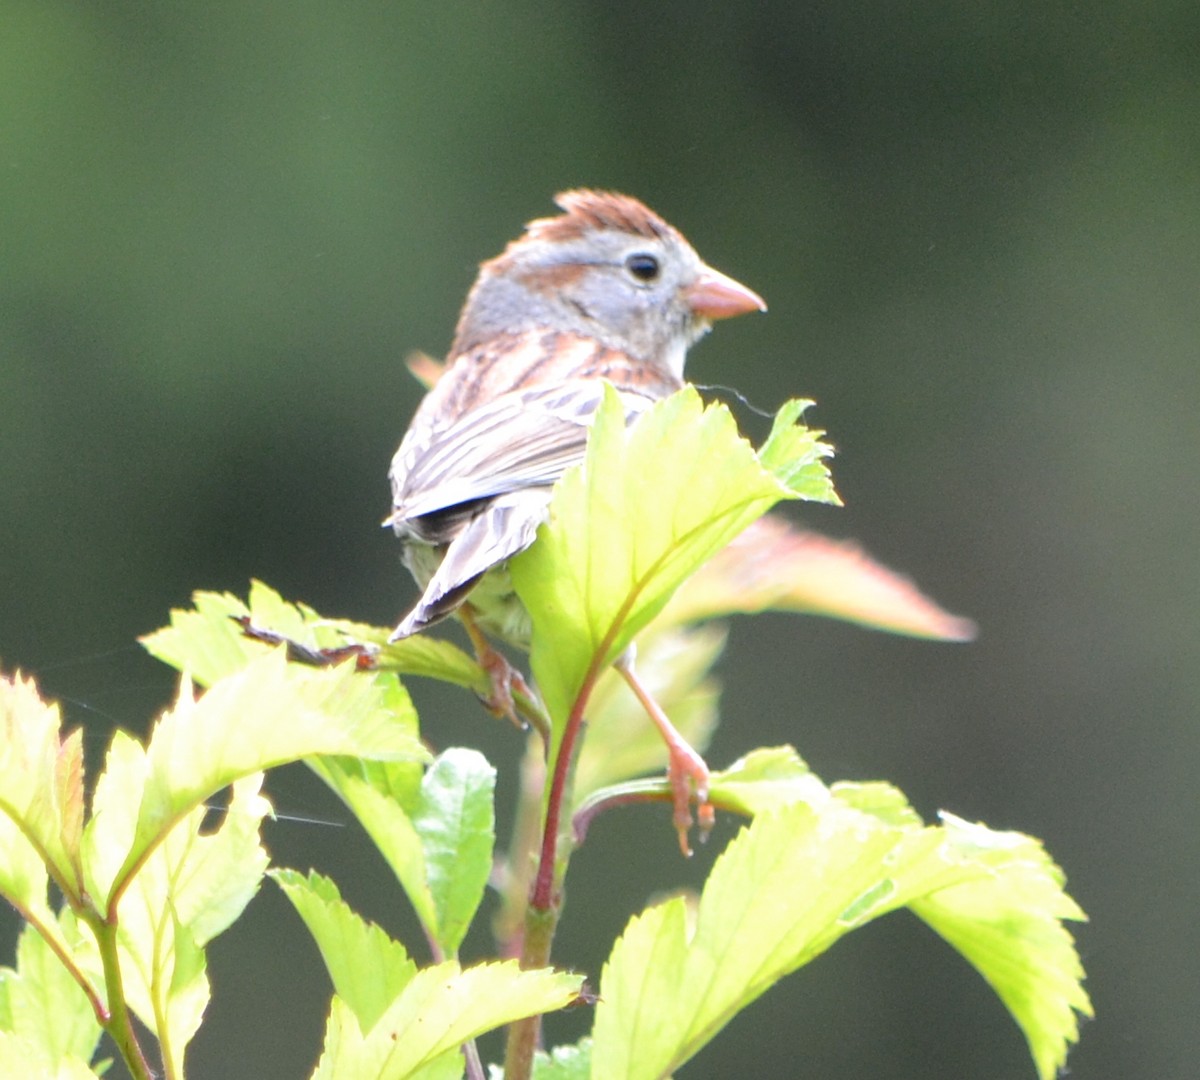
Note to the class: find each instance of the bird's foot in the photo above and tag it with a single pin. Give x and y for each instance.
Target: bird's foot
(687, 772)
(365, 655)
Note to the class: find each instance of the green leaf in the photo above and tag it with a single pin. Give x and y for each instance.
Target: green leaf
(367, 788)
(20, 1058)
(455, 819)
(796, 455)
(1010, 928)
(41, 797)
(173, 888)
(265, 715)
(368, 968)
(437, 835)
(772, 902)
(189, 888)
(208, 644)
(648, 506)
(564, 1062)
(792, 883)
(180, 992)
(441, 1008)
(43, 1005)
(767, 779)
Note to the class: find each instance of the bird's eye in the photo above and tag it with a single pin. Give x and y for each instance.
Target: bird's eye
(642, 266)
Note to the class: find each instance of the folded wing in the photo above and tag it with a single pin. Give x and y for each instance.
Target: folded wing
(480, 488)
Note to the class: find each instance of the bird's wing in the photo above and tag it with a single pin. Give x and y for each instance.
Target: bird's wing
(525, 438)
(506, 525)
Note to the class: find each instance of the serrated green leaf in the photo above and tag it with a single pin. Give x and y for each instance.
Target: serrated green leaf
(766, 779)
(455, 820)
(772, 902)
(1010, 929)
(43, 1005)
(23, 878)
(207, 643)
(265, 715)
(441, 1008)
(20, 1058)
(370, 795)
(189, 888)
(368, 968)
(878, 798)
(647, 507)
(206, 877)
(437, 834)
(181, 994)
(796, 455)
(342, 1039)
(109, 832)
(784, 890)
(41, 795)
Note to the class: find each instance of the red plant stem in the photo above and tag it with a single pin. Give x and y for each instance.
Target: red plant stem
(541, 916)
(543, 895)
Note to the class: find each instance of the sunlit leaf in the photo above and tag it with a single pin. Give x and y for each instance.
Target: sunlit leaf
(441, 1008)
(21, 1058)
(181, 992)
(264, 715)
(41, 796)
(793, 882)
(796, 456)
(1010, 928)
(688, 481)
(366, 789)
(454, 817)
(208, 642)
(191, 886)
(436, 831)
(367, 967)
(767, 779)
(44, 1006)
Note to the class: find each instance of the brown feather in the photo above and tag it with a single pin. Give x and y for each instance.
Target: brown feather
(587, 210)
(510, 412)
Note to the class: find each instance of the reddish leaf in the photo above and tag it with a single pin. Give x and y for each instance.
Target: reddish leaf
(776, 565)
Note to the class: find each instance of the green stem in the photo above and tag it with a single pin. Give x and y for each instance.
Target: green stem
(119, 1024)
(523, 1035)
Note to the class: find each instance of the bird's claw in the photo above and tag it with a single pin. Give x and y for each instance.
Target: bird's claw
(688, 775)
(505, 681)
(365, 656)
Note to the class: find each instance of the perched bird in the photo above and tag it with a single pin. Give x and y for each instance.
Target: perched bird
(606, 291)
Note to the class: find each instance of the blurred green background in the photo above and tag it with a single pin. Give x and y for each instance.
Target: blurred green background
(222, 227)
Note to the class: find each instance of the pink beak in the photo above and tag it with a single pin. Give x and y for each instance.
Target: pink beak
(714, 296)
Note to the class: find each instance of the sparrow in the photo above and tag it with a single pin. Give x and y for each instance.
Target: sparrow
(606, 291)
